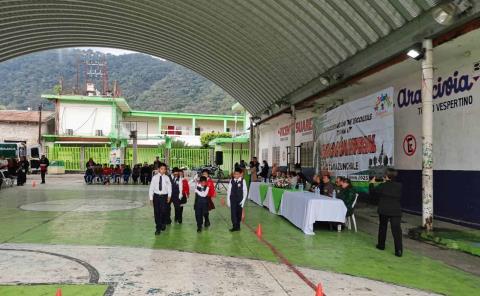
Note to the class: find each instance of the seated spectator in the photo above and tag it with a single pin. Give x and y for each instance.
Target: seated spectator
(146, 174)
(126, 174)
(107, 174)
(275, 170)
(89, 175)
(136, 173)
(293, 178)
(347, 194)
(327, 186)
(117, 173)
(98, 171)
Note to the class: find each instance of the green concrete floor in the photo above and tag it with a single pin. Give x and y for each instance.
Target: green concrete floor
(50, 290)
(346, 252)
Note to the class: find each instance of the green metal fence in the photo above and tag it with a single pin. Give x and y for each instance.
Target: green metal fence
(238, 154)
(190, 158)
(144, 154)
(75, 157)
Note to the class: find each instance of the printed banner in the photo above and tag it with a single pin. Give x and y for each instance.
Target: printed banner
(358, 137)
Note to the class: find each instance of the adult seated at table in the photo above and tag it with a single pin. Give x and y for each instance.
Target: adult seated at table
(347, 194)
(315, 183)
(327, 186)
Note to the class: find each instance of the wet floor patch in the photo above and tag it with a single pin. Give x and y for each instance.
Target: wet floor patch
(82, 205)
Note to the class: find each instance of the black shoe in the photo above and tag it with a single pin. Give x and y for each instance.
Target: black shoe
(207, 224)
(380, 248)
(164, 227)
(234, 229)
(157, 232)
(179, 221)
(398, 253)
(199, 229)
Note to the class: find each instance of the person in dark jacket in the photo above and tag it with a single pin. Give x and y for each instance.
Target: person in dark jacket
(44, 163)
(22, 170)
(264, 171)
(389, 209)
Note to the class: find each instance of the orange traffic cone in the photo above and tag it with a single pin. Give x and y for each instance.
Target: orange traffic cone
(34, 183)
(243, 215)
(259, 230)
(319, 291)
(59, 292)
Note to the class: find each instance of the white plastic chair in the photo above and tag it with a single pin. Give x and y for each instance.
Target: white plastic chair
(351, 218)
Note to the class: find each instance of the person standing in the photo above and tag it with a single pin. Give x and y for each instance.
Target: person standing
(264, 171)
(22, 170)
(177, 191)
(212, 193)
(44, 163)
(389, 209)
(201, 203)
(157, 163)
(160, 193)
(236, 196)
(145, 174)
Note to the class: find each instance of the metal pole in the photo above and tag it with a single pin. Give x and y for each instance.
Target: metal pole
(134, 146)
(292, 140)
(40, 124)
(252, 139)
(427, 138)
(231, 162)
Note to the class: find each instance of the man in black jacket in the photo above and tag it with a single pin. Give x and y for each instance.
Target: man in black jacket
(389, 209)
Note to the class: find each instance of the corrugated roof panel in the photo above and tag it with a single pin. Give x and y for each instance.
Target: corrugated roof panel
(258, 51)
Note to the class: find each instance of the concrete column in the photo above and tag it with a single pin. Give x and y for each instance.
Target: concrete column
(427, 136)
(252, 139)
(159, 125)
(193, 126)
(292, 140)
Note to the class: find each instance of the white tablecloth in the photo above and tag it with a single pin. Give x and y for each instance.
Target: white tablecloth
(269, 201)
(254, 192)
(304, 208)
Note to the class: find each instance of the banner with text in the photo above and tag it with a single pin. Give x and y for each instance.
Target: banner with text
(358, 136)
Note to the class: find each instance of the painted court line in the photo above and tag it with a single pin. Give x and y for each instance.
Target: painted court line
(284, 260)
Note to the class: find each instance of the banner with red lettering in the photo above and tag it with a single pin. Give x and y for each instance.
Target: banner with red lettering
(357, 137)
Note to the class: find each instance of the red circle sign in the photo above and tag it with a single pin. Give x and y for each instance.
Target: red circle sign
(409, 145)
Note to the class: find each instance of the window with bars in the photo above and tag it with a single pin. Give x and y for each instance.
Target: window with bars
(265, 154)
(306, 154)
(276, 155)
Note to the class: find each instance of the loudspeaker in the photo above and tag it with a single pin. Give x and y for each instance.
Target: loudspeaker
(218, 157)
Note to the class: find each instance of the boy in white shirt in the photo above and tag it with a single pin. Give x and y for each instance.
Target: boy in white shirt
(237, 192)
(160, 193)
(201, 203)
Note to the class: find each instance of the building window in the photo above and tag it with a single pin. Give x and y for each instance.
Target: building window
(265, 154)
(197, 131)
(276, 155)
(228, 129)
(306, 154)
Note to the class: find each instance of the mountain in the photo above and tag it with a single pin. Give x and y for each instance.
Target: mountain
(147, 83)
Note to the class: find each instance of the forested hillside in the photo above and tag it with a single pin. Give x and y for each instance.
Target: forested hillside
(146, 82)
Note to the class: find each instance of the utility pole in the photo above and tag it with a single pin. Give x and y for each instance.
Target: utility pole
(40, 123)
(427, 136)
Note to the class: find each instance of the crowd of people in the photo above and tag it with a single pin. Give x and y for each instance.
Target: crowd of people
(18, 169)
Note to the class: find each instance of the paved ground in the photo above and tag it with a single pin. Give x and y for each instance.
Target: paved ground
(139, 271)
(109, 229)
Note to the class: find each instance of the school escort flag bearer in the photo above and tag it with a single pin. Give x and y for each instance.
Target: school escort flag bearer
(160, 194)
(236, 197)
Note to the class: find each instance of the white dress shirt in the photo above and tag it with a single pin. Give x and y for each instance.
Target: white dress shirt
(202, 193)
(166, 186)
(245, 191)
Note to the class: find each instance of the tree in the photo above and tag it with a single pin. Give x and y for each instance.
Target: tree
(205, 138)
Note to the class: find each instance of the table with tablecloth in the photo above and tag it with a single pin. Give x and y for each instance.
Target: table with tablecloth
(299, 207)
(303, 209)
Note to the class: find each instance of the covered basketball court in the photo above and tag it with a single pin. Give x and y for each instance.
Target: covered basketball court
(275, 58)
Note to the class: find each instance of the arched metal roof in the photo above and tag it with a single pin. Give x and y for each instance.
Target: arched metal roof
(259, 51)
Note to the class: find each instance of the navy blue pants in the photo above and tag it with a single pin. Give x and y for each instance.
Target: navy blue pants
(201, 211)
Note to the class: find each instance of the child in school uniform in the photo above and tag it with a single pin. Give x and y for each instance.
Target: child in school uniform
(160, 194)
(211, 194)
(201, 203)
(117, 173)
(177, 194)
(107, 173)
(236, 196)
